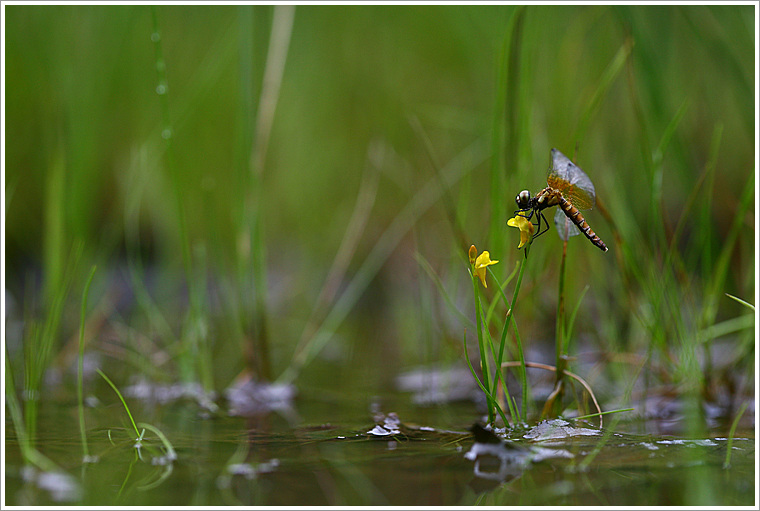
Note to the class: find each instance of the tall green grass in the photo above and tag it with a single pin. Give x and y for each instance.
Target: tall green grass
(194, 355)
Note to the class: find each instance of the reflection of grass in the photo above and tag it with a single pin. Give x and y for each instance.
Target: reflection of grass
(80, 367)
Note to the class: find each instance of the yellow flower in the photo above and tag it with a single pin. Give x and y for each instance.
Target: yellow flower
(481, 263)
(526, 228)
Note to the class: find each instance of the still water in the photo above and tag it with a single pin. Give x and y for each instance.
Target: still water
(325, 449)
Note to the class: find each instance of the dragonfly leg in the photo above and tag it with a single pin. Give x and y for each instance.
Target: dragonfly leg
(525, 213)
(539, 230)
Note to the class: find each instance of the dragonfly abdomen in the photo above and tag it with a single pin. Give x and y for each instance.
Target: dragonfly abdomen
(576, 217)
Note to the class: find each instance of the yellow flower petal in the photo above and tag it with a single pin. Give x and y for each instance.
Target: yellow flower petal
(526, 228)
(484, 260)
(481, 263)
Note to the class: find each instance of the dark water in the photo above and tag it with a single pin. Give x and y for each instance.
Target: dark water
(319, 452)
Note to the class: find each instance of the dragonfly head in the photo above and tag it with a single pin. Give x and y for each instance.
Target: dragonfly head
(523, 199)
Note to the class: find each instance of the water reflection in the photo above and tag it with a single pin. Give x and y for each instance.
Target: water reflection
(512, 459)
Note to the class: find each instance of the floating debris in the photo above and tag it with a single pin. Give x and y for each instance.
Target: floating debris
(557, 429)
(391, 425)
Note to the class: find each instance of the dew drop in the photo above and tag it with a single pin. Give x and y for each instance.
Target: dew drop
(161, 89)
(155, 37)
(166, 134)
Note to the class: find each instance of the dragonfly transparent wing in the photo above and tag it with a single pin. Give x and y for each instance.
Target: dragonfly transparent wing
(571, 181)
(565, 227)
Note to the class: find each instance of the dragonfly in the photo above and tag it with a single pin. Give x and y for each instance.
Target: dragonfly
(570, 189)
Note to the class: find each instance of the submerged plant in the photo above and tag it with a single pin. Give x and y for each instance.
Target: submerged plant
(161, 457)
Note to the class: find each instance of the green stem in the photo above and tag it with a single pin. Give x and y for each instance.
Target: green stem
(189, 339)
(523, 376)
(479, 330)
(499, 378)
(486, 392)
(80, 393)
(129, 414)
(510, 313)
(559, 341)
(727, 463)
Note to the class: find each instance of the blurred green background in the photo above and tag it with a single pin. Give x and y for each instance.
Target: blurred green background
(658, 102)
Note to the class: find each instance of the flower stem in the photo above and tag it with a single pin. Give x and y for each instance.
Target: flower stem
(523, 373)
(483, 358)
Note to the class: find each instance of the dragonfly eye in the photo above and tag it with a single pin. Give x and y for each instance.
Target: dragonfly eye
(523, 199)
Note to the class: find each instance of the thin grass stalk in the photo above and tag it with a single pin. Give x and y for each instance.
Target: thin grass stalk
(189, 357)
(559, 338)
(428, 268)
(248, 90)
(483, 388)
(198, 327)
(39, 343)
(666, 275)
(135, 186)
(605, 82)
(365, 200)
(80, 368)
(523, 374)
(162, 89)
(505, 133)
(500, 294)
(598, 414)
(730, 442)
(510, 313)
(655, 216)
(39, 346)
(718, 276)
(54, 240)
(498, 378)
(447, 201)
(481, 346)
(583, 466)
(673, 261)
(554, 402)
(126, 478)
(424, 199)
(704, 231)
(537, 365)
(571, 321)
(28, 452)
(282, 26)
(121, 398)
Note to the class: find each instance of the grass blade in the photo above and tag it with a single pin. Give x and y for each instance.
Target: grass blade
(137, 431)
(80, 368)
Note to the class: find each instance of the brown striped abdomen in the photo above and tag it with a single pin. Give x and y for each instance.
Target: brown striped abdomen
(577, 218)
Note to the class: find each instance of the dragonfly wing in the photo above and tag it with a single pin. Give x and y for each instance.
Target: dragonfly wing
(571, 181)
(565, 227)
